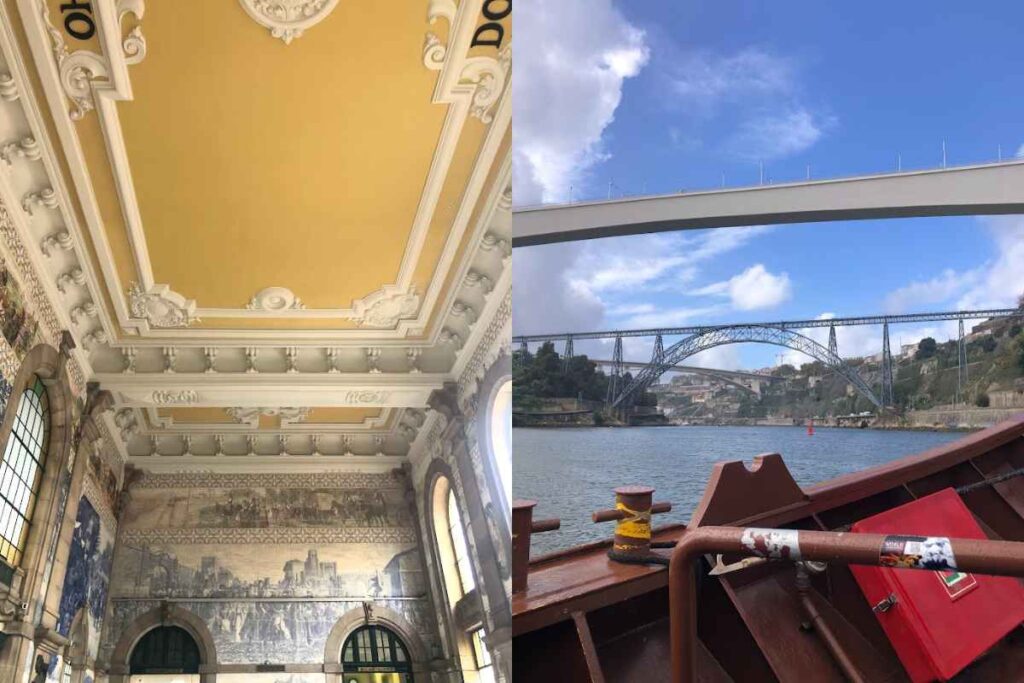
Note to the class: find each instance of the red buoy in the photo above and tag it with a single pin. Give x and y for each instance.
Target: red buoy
(810, 428)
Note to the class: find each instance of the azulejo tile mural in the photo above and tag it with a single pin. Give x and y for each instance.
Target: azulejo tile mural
(87, 579)
(269, 562)
(20, 328)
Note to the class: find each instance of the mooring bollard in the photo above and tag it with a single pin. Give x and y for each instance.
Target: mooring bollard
(632, 514)
(523, 527)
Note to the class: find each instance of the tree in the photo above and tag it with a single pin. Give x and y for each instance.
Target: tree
(784, 370)
(813, 368)
(544, 375)
(926, 348)
(1020, 351)
(1020, 301)
(982, 401)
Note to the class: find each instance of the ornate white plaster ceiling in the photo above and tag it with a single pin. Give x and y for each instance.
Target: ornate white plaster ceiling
(263, 285)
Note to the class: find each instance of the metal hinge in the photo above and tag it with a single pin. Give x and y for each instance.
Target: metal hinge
(886, 604)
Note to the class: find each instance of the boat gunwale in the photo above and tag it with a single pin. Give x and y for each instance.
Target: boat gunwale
(825, 495)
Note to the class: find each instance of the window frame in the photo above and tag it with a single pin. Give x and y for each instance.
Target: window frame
(460, 546)
(24, 458)
(481, 656)
(395, 646)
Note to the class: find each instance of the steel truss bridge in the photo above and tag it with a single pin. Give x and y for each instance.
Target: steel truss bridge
(697, 338)
(731, 377)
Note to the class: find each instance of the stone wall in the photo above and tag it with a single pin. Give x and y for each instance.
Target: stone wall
(1007, 398)
(951, 417)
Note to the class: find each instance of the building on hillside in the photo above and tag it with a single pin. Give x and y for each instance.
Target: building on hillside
(1007, 398)
(255, 294)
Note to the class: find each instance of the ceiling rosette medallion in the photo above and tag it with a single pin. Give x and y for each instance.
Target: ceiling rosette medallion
(288, 19)
(275, 299)
(161, 307)
(385, 307)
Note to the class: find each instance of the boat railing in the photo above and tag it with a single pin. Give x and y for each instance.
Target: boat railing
(1004, 558)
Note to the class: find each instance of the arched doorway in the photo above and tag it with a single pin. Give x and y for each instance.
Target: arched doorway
(166, 653)
(375, 654)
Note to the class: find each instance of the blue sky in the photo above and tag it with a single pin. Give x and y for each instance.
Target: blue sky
(662, 96)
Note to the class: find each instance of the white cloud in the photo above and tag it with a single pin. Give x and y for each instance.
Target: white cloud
(753, 289)
(543, 298)
(705, 79)
(576, 286)
(774, 135)
(725, 357)
(994, 284)
(1002, 280)
(671, 317)
(939, 289)
(631, 309)
(576, 55)
(754, 93)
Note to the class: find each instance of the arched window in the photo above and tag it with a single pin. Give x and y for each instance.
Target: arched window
(375, 649)
(22, 470)
(501, 436)
(451, 543)
(165, 650)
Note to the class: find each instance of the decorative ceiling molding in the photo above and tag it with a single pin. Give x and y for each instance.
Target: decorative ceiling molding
(26, 148)
(174, 397)
(275, 299)
(288, 19)
(434, 50)
(385, 307)
(54, 247)
(481, 79)
(276, 464)
(382, 390)
(477, 85)
(267, 443)
(161, 307)
(83, 73)
(148, 421)
(251, 415)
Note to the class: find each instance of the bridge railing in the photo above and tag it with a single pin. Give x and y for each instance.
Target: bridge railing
(598, 197)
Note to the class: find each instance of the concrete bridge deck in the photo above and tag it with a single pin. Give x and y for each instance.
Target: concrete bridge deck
(988, 189)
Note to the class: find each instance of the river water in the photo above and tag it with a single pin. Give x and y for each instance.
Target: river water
(571, 472)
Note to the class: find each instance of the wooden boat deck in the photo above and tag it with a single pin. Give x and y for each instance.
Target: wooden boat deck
(584, 617)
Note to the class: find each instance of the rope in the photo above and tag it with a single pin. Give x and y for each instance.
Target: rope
(636, 523)
(633, 558)
(988, 482)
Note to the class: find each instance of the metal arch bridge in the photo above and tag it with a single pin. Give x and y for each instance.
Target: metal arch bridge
(779, 333)
(732, 377)
(696, 343)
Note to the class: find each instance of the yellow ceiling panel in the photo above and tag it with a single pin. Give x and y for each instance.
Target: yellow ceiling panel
(298, 166)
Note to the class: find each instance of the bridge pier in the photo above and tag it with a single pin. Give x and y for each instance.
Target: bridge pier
(961, 371)
(519, 359)
(616, 376)
(888, 400)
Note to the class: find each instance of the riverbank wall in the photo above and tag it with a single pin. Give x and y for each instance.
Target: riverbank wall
(952, 417)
